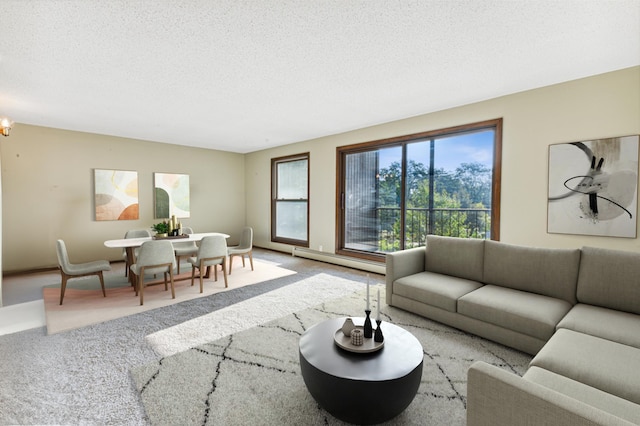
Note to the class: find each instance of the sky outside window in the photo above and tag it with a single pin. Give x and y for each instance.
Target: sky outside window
(452, 151)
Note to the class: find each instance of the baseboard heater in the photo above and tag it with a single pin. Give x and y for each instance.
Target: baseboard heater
(336, 259)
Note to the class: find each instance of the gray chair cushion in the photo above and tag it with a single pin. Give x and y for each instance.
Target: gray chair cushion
(185, 248)
(621, 327)
(550, 272)
(527, 313)
(458, 257)
(246, 242)
(155, 252)
(609, 366)
(78, 268)
(610, 278)
(212, 250)
(442, 291)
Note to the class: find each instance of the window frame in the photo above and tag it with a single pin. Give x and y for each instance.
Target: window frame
(343, 151)
(274, 200)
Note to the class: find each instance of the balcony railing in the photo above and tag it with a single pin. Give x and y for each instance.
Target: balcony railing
(380, 232)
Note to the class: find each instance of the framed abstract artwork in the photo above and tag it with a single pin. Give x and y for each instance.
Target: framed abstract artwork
(593, 187)
(171, 195)
(116, 194)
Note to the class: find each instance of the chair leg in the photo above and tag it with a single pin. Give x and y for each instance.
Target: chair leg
(201, 270)
(134, 281)
(129, 261)
(140, 281)
(63, 286)
(193, 274)
(243, 261)
(104, 293)
(65, 278)
(165, 282)
(173, 291)
(224, 271)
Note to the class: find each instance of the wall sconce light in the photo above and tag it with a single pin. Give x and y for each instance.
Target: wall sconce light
(5, 125)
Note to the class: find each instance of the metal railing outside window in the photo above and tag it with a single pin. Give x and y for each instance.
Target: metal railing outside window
(392, 193)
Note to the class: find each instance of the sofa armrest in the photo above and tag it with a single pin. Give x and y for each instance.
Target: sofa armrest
(497, 397)
(401, 264)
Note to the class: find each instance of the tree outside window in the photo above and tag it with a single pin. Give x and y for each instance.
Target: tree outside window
(393, 193)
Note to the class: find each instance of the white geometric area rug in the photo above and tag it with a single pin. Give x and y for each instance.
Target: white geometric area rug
(249, 313)
(253, 376)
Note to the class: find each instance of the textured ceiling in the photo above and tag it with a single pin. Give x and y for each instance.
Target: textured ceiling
(246, 75)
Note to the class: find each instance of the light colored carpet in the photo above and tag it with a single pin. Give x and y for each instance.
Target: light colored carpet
(247, 314)
(82, 376)
(253, 376)
(84, 303)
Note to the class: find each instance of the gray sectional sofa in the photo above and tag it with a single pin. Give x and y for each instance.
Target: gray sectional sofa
(576, 310)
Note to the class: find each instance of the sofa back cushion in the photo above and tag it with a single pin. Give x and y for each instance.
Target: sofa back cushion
(549, 272)
(610, 278)
(458, 257)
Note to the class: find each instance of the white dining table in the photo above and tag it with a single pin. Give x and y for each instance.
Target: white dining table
(129, 244)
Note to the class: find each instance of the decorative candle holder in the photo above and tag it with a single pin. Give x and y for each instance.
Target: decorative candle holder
(368, 329)
(378, 337)
(356, 337)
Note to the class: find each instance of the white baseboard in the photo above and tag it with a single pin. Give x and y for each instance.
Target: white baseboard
(323, 256)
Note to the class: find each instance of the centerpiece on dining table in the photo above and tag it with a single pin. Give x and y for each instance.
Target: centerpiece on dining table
(169, 229)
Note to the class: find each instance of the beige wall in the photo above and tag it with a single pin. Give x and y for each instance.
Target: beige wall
(601, 106)
(47, 192)
(48, 188)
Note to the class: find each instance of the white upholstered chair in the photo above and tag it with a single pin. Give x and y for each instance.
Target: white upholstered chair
(243, 249)
(184, 248)
(133, 233)
(70, 270)
(212, 252)
(154, 257)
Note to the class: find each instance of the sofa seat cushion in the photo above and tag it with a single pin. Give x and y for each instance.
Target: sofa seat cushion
(609, 366)
(531, 314)
(621, 327)
(442, 291)
(595, 397)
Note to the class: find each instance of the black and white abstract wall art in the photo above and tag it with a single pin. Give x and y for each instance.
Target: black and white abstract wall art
(593, 187)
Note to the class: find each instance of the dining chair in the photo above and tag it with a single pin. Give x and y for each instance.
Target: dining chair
(245, 248)
(212, 252)
(70, 270)
(154, 257)
(133, 233)
(185, 248)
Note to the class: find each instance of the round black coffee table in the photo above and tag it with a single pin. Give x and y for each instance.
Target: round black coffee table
(361, 388)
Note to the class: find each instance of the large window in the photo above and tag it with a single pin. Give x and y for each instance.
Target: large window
(290, 200)
(394, 192)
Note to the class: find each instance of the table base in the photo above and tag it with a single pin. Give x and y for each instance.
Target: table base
(359, 401)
